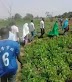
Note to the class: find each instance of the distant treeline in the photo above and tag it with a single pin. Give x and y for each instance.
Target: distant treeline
(65, 15)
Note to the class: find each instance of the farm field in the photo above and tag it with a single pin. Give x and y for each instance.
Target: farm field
(46, 59)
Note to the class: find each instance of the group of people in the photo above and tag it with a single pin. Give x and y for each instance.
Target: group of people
(10, 47)
(55, 30)
(30, 29)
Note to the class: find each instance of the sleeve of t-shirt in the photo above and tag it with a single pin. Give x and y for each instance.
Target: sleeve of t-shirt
(17, 50)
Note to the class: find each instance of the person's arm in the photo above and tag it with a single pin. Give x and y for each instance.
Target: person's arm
(19, 59)
(17, 52)
(17, 33)
(34, 27)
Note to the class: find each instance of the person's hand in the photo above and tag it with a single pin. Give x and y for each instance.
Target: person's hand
(21, 66)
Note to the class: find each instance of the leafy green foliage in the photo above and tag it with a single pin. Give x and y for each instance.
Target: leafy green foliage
(66, 14)
(48, 60)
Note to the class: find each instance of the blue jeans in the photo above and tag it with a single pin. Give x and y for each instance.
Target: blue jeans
(32, 35)
(8, 78)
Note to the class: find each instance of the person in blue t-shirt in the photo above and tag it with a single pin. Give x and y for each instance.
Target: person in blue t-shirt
(9, 52)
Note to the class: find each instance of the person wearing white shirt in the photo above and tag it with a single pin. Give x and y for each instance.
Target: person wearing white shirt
(15, 31)
(25, 33)
(42, 27)
(11, 35)
(32, 29)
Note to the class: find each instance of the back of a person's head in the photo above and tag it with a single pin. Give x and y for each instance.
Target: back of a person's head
(56, 21)
(42, 19)
(4, 32)
(31, 20)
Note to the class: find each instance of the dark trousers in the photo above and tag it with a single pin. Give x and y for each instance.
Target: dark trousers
(8, 78)
(42, 32)
(66, 29)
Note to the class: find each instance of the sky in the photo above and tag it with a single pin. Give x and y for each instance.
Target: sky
(35, 7)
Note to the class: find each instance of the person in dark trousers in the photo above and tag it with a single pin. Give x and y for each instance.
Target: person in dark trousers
(61, 21)
(42, 27)
(9, 54)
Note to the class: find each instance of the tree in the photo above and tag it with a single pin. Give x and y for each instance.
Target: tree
(17, 16)
(28, 16)
(66, 15)
(37, 17)
(48, 14)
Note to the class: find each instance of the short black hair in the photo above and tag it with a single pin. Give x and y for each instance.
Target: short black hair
(31, 20)
(4, 32)
(43, 19)
(56, 21)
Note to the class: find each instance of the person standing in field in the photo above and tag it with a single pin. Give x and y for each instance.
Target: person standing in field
(32, 29)
(25, 33)
(54, 31)
(65, 26)
(9, 54)
(61, 21)
(42, 27)
(11, 35)
(15, 31)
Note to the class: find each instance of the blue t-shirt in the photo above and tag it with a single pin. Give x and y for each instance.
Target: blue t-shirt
(9, 50)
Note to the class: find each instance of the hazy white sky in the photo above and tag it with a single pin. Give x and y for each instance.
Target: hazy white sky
(36, 7)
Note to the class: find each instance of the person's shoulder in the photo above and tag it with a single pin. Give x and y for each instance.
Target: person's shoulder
(11, 41)
(14, 26)
(42, 22)
(32, 23)
(14, 43)
(7, 41)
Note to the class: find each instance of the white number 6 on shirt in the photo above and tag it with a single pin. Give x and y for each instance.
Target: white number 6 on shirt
(5, 59)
